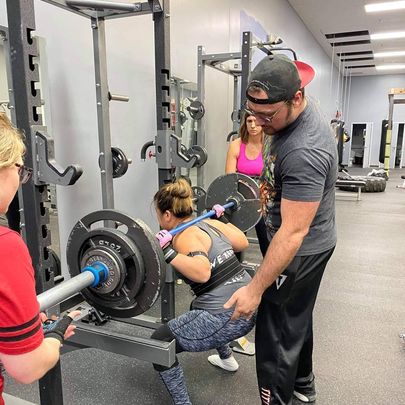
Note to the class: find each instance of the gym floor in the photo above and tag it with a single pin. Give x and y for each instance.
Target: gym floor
(360, 313)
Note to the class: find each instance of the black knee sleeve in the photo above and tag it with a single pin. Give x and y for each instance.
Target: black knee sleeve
(164, 334)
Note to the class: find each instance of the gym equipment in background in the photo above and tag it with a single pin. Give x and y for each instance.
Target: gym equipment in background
(120, 271)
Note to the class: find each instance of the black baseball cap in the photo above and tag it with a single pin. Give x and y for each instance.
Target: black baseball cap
(280, 77)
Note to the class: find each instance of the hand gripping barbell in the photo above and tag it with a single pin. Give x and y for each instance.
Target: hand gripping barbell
(121, 271)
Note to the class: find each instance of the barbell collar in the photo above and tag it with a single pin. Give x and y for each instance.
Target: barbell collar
(100, 272)
(232, 203)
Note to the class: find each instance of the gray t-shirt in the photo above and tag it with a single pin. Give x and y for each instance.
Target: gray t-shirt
(300, 164)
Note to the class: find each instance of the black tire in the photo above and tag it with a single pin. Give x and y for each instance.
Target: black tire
(373, 184)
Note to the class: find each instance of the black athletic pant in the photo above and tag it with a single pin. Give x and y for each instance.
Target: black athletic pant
(261, 232)
(284, 339)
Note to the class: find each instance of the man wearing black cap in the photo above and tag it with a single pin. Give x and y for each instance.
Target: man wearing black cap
(298, 203)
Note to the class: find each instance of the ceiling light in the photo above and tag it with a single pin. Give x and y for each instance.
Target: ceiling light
(389, 5)
(389, 54)
(388, 35)
(390, 67)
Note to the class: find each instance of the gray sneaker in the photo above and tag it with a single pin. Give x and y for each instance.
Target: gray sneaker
(304, 389)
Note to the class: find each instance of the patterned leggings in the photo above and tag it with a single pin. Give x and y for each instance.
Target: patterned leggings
(199, 331)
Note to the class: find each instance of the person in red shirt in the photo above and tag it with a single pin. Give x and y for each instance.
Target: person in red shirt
(26, 352)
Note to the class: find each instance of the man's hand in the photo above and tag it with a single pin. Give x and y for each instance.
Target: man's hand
(245, 301)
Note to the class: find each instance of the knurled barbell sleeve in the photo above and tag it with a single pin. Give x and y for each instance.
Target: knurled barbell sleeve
(90, 277)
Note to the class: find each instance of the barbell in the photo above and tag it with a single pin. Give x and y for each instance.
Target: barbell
(121, 271)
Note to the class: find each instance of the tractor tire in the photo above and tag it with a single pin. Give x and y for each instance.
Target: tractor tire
(373, 184)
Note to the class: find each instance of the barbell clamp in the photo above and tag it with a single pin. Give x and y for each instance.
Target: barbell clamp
(100, 273)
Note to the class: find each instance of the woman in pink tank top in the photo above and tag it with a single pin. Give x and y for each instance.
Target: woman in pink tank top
(245, 156)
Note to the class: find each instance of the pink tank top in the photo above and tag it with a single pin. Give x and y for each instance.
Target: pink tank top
(248, 166)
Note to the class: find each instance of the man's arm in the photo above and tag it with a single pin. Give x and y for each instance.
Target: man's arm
(297, 217)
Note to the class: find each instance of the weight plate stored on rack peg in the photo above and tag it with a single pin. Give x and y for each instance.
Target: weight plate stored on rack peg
(120, 162)
(199, 198)
(200, 152)
(132, 254)
(196, 110)
(243, 191)
(182, 117)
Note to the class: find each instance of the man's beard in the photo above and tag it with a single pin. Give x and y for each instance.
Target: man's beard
(270, 130)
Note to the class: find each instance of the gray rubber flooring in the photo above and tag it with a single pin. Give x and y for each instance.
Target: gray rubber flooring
(359, 357)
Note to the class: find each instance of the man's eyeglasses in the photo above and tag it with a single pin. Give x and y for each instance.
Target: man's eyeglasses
(24, 172)
(266, 118)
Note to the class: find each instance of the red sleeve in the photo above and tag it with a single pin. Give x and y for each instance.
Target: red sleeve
(20, 325)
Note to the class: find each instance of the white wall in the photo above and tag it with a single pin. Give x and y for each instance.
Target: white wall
(130, 52)
(217, 27)
(369, 103)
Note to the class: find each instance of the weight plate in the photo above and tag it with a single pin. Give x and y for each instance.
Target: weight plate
(201, 153)
(132, 244)
(132, 272)
(120, 162)
(182, 117)
(235, 116)
(155, 265)
(244, 191)
(196, 110)
(199, 198)
(55, 263)
(114, 263)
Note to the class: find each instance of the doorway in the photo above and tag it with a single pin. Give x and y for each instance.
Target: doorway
(397, 146)
(360, 144)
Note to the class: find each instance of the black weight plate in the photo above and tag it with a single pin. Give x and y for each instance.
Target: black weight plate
(235, 115)
(135, 238)
(120, 162)
(182, 117)
(201, 153)
(244, 190)
(129, 258)
(124, 299)
(196, 110)
(199, 198)
(155, 265)
(55, 263)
